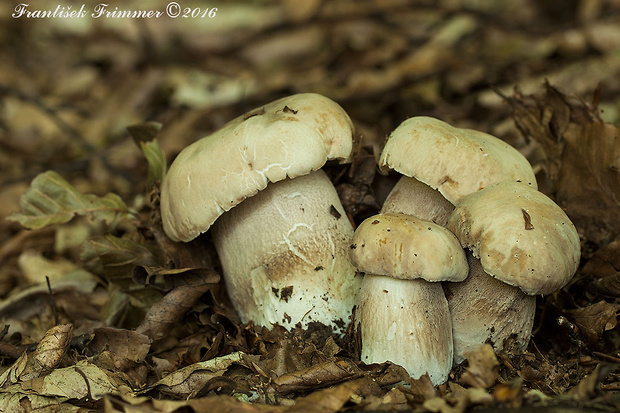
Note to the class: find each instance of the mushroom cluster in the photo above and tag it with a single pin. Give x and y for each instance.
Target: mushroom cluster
(290, 256)
(485, 193)
(280, 231)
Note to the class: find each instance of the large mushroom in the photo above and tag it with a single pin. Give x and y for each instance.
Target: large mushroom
(402, 314)
(277, 223)
(442, 164)
(523, 240)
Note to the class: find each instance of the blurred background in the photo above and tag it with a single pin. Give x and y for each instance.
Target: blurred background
(69, 87)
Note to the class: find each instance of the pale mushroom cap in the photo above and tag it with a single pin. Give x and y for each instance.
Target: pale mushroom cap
(454, 161)
(405, 247)
(520, 235)
(290, 137)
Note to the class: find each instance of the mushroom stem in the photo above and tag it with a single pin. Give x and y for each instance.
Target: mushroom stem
(485, 309)
(406, 322)
(284, 255)
(412, 197)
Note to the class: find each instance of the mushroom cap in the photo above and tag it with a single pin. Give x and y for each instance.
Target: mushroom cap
(405, 247)
(454, 161)
(290, 137)
(520, 235)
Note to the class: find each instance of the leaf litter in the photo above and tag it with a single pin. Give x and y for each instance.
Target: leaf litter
(133, 322)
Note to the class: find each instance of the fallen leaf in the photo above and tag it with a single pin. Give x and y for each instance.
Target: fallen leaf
(126, 345)
(582, 158)
(319, 375)
(52, 200)
(483, 368)
(589, 386)
(190, 379)
(166, 313)
(327, 400)
(595, 319)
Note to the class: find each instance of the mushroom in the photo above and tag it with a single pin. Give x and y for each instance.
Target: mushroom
(279, 229)
(527, 243)
(454, 161)
(442, 164)
(402, 314)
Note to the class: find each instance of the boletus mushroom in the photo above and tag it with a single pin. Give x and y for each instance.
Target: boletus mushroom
(527, 244)
(277, 223)
(402, 314)
(441, 165)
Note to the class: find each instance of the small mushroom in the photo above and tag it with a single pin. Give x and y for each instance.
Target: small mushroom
(402, 313)
(279, 228)
(527, 243)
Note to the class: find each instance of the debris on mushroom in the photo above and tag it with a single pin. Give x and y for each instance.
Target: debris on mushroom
(402, 314)
(279, 228)
(522, 239)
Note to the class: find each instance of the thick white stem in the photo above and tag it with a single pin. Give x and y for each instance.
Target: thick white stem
(406, 322)
(285, 255)
(485, 310)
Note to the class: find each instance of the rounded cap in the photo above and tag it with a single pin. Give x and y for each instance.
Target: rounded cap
(405, 247)
(454, 161)
(520, 235)
(290, 137)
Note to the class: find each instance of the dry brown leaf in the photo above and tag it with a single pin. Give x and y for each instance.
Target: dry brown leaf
(604, 262)
(319, 375)
(126, 345)
(582, 158)
(595, 319)
(483, 369)
(328, 400)
(589, 387)
(191, 379)
(163, 315)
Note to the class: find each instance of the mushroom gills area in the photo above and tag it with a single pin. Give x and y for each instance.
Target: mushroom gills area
(406, 322)
(284, 255)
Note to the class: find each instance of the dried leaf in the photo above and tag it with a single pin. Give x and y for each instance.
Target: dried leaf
(319, 375)
(115, 258)
(483, 369)
(124, 344)
(589, 387)
(52, 200)
(582, 158)
(188, 380)
(605, 261)
(595, 319)
(165, 314)
(44, 359)
(327, 400)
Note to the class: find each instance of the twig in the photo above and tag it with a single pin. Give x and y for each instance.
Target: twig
(54, 309)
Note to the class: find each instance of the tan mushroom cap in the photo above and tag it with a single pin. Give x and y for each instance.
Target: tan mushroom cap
(520, 235)
(290, 137)
(454, 161)
(405, 247)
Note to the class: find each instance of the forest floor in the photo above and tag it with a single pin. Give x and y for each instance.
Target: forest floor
(90, 323)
